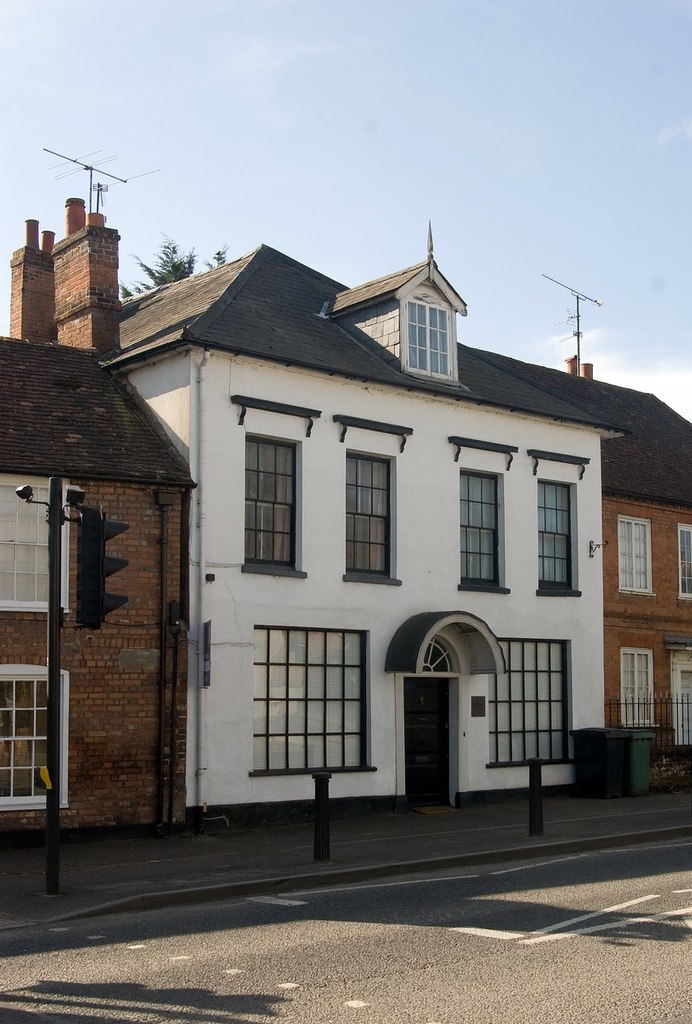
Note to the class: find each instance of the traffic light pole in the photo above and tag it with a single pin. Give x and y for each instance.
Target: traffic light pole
(55, 522)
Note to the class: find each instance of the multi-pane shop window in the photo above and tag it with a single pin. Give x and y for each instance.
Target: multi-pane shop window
(23, 548)
(528, 705)
(685, 537)
(554, 536)
(22, 735)
(367, 514)
(634, 548)
(269, 502)
(478, 534)
(308, 699)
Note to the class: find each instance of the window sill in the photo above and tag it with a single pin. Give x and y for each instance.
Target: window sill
(486, 588)
(525, 764)
(366, 577)
(273, 570)
(637, 593)
(25, 606)
(261, 773)
(558, 592)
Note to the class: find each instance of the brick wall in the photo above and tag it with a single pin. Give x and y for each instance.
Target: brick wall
(642, 620)
(86, 288)
(114, 686)
(32, 306)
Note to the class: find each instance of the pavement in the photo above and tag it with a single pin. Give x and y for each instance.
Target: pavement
(134, 874)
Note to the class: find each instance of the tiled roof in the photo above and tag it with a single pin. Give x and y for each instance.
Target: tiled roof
(268, 306)
(375, 291)
(653, 460)
(64, 415)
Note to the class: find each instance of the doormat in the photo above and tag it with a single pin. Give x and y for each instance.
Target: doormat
(440, 809)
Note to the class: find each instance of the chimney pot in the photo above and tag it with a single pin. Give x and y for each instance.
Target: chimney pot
(95, 220)
(32, 234)
(75, 216)
(572, 366)
(47, 241)
(587, 370)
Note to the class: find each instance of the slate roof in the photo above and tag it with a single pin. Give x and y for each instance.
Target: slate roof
(269, 306)
(64, 415)
(377, 290)
(653, 460)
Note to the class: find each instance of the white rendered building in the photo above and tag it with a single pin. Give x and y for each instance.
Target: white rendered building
(389, 541)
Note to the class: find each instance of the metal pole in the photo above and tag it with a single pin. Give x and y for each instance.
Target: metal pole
(535, 797)
(55, 520)
(321, 847)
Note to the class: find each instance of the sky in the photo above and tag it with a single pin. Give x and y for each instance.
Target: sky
(537, 136)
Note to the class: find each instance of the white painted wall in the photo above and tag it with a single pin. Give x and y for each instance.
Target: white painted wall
(426, 487)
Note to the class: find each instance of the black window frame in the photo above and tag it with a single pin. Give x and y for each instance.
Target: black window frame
(352, 514)
(547, 537)
(464, 528)
(250, 554)
(513, 694)
(273, 687)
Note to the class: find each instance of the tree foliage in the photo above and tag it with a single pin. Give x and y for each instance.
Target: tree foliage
(170, 264)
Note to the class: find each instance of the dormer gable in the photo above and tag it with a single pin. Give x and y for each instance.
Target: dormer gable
(412, 314)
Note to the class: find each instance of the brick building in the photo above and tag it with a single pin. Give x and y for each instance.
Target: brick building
(124, 685)
(646, 552)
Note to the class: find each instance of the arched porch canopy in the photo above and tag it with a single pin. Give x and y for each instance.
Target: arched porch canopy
(406, 651)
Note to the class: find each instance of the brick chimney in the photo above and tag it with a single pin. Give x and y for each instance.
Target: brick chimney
(32, 302)
(572, 368)
(86, 281)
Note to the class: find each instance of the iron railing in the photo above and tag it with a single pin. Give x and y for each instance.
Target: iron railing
(669, 718)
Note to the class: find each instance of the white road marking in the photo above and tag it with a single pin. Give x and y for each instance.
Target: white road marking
(489, 933)
(138, 946)
(288, 986)
(356, 1004)
(681, 890)
(539, 864)
(609, 925)
(688, 922)
(58, 929)
(385, 885)
(180, 958)
(587, 917)
(96, 936)
(233, 970)
(277, 901)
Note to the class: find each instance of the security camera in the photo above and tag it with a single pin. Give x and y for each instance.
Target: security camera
(25, 493)
(75, 496)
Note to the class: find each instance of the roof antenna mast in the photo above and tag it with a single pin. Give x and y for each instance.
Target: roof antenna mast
(98, 188)
(579, 296)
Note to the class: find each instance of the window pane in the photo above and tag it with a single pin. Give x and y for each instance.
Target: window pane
(297, 725)
(534, 724)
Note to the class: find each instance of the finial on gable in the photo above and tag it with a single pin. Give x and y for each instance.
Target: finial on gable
(430, 241)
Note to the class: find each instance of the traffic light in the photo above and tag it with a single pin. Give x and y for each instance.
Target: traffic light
(94, 567)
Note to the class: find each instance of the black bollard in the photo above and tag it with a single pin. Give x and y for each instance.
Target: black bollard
(321, 848)
(535, 797)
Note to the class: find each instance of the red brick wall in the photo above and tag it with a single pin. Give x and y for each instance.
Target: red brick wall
(32, 305)
(86, 289)
(642, 620)
(114, 674)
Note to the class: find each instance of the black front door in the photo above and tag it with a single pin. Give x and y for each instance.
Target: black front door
(426, 729)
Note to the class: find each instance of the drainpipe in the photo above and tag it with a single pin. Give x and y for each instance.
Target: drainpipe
(164, 500)
(201, 767)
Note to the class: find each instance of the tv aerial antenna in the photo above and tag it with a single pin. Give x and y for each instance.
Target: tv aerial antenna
(576, 317)
(99, 188)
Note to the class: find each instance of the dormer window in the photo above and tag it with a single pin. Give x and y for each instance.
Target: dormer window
(428, 339)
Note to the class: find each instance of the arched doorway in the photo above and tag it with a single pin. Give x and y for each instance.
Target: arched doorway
(432, 655)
